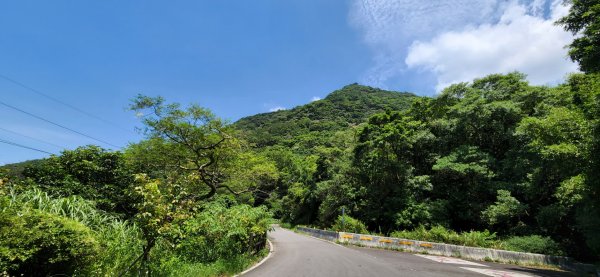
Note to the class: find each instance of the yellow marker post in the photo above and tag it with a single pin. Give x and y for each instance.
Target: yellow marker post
(366, 238)
(405, 242)
(385, 240)
(426, 245)
(346, 236)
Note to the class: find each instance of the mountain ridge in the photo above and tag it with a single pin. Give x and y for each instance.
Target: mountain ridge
(343, 108)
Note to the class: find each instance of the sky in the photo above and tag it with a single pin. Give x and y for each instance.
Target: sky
(68, 69)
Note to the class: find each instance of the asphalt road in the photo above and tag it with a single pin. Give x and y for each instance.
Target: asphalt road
(301, 255)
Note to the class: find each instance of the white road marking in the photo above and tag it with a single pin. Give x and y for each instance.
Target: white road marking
(496, 273)
(271, 250)
(449, 260)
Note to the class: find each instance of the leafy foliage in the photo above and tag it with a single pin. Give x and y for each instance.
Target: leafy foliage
(496, 153)
(222, 232)
(309, 126)
(34, 242)
(504, 210)
(90, 172)
(584, 20)
(442, 234)
(534, 244)
(346, 223)
(116, 241)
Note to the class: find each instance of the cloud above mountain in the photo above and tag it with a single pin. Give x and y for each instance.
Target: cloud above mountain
(458, 40)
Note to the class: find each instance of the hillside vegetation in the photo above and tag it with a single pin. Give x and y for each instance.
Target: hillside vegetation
(495, 154)
(305, 127)
(493, 162)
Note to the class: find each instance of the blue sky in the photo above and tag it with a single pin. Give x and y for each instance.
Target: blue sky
(240, 58)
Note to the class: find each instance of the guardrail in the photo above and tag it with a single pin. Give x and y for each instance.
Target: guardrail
(323, 234)
(449, 250)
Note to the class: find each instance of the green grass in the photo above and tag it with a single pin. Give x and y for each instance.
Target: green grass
(176, 267)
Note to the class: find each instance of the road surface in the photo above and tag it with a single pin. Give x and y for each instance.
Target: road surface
(301, 255)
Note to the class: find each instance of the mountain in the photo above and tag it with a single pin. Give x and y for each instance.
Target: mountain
(15, 169)
(310, 125)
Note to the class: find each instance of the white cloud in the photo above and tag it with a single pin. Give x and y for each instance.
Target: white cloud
(459, 40)
(277, 108)
(389, 26)
(315, 98)
(387, 21)
(520, 41)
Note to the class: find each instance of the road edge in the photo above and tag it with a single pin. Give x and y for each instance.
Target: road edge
(271, 250)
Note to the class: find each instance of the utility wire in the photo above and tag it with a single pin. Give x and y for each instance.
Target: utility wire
(62, 102)
(23, 146)
(56, 124)
(36, 139)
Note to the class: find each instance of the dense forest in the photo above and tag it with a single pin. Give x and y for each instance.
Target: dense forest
(495, 162)
(495, 154)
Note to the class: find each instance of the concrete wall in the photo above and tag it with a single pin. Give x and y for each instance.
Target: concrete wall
(442, 249)
(323, 234)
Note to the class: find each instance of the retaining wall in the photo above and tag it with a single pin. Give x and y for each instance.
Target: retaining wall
(442, 249)
(323, 234)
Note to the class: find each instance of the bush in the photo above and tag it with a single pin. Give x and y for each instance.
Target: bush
(168, 263)
(38, 243)
(443, 235)
(119, 242)
(350, 225)
(219, 232)
(533, 244)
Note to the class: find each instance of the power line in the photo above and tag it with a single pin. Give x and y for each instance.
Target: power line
(56, 124)
(61, 102)
(36, 139)
(23, 146)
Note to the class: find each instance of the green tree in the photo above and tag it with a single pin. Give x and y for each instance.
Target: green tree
(506, 209)
(90, 172)
(37, 243)
(463, 178)
(385, 161)
(583, 20)
(586, 90)
(188, 158)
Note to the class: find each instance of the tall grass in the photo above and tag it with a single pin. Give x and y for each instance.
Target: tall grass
(120, 240)
(218, 240)
(169, 263)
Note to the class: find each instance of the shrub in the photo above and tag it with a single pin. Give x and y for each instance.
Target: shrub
(219, 232)
(533, 244)
(119, 242)
(38, 243)
(443, 235)
(349, 224)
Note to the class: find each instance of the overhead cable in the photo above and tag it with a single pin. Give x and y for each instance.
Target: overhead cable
(59, 125)
(62, 102)
(23, 146)
(29, 137)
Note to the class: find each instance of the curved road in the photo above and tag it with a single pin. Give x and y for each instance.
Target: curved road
(300, 255)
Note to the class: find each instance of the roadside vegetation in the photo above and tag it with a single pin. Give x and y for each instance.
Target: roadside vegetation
(495, 162)
(176, 203)
(492, 156)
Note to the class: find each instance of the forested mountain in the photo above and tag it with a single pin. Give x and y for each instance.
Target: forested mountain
(310, 125)
(494, 162)
(495, 154)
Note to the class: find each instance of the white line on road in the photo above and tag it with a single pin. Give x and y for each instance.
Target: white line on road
(271, 250)
(448, 260)
(496, 273)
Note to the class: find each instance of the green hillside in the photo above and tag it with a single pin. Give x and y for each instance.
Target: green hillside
(306, 126)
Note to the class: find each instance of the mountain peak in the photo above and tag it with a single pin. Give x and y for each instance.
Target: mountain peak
(351, 105)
